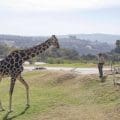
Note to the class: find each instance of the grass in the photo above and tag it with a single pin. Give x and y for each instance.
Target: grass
(74, 64)
(62, 96)
(71, 65)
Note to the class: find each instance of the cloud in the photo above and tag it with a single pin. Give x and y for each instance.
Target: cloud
(57, 4)
(35, 17)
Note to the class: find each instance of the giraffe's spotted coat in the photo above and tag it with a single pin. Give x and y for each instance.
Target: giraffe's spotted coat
(12, 65)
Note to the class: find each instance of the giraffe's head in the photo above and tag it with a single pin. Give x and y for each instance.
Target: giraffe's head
(54, 41)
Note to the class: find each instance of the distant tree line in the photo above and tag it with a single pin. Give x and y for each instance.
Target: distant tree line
(58, 55)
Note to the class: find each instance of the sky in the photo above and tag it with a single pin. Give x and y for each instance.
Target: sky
(46, 17)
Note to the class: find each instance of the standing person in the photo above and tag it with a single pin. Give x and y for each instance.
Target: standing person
(101, 62)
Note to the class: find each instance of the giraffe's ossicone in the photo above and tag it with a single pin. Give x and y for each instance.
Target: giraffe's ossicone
(12, 65)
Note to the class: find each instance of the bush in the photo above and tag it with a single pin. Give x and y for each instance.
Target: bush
(55, 61)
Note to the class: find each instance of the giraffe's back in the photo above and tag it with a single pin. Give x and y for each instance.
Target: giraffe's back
(11, 65)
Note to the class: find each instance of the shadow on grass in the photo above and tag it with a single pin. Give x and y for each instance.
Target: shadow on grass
(6, 117)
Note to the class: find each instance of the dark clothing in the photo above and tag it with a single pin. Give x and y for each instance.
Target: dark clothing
(100, 68)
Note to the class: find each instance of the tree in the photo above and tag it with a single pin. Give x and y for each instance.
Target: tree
(5, 50)
(59, 54)
(117, 49)
(88, 57)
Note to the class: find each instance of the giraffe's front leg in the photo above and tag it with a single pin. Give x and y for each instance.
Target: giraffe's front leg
(1, 108)
(12, 84)
(27, 89)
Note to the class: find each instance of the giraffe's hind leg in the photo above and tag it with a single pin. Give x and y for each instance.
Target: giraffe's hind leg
(20, 78)
(1, 108)
(12, 84)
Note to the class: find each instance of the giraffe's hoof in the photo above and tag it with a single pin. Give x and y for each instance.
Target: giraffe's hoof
(27, 105)
(2, 110)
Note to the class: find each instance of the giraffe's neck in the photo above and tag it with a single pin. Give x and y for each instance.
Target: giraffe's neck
(34, 51)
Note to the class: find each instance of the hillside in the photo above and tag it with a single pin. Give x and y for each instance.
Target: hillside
(62, 96)
(83, 46)
(109, 38)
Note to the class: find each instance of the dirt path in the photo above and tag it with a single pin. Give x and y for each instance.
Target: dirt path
(77, 70)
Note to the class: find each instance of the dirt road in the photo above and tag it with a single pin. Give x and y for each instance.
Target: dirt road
(77, 70)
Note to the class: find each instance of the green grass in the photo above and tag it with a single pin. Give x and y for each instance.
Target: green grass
(54, 96)
(71, 65)
(74, 64)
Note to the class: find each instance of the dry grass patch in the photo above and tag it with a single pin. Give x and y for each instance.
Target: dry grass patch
(70, 112)
(65, 96)
(65, 77)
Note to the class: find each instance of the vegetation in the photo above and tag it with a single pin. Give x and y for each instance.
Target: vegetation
(117, 49)
(67, 56)
(68, 64)
(63, 96)
(4, 50)
(114, 55)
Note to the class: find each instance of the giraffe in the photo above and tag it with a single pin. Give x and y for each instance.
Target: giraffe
(12, 65)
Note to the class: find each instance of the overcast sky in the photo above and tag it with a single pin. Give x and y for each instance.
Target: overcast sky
(46, 17)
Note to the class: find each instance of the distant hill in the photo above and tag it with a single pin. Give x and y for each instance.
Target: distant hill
(84, 44)
(21, 41)
(109, 38)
